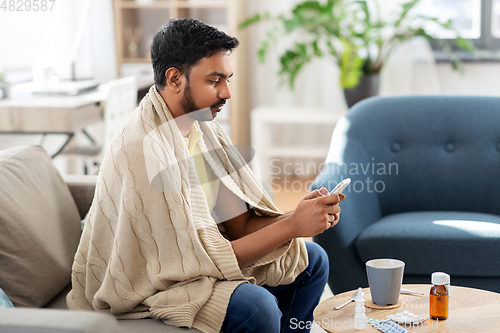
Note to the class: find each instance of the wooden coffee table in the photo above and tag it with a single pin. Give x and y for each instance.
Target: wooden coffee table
(470, 310)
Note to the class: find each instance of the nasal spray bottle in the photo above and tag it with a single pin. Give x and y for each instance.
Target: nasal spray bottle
(359, 311)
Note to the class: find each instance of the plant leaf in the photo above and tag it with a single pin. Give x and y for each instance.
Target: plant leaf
(252, 20)
(365, 9)
(350, 66)
(465, 44)
(316, 50)
(261, 52)
(406, 8)
(292, 62)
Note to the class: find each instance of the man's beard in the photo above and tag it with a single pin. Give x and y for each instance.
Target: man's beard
(195, 112)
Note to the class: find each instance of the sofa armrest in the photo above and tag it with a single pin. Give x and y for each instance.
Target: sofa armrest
(82, 189)
(33, 320)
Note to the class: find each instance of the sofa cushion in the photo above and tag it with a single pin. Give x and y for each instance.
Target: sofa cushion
(126, 326)
(458, 243)
(23, 320)
(59, 301)
(151, 326)
(39, 227)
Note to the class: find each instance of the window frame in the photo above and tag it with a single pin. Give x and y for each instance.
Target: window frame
(486, 41)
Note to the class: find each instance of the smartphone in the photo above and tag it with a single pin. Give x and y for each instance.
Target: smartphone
(341, 186)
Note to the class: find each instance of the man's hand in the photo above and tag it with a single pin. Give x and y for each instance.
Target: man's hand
(252, 237)
(316, 212)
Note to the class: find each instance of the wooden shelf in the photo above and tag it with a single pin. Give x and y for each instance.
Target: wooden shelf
(136, 60)
(133, 18)
(201, 4)
(135, 5)
(174, 4)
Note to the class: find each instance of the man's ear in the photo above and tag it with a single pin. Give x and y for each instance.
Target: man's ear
(173, 79)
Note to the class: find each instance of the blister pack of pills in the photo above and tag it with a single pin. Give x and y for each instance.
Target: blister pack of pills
(407, 318)
(387, 326)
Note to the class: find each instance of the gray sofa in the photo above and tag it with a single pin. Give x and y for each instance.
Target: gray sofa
(425, 189)
(40, 225)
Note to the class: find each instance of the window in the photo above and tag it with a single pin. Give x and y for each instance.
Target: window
(495, 19)
(478, 20)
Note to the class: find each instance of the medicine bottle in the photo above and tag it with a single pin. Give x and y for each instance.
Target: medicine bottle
(438, 299)
(359, 311)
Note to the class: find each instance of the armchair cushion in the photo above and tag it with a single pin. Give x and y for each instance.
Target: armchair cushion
(459, 243)
(39, 227)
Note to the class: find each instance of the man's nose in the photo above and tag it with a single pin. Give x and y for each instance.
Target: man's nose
(225, 91)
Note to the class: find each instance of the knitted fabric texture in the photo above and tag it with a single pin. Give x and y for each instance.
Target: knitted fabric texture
(150, 247)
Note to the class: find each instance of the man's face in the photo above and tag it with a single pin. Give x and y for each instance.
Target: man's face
(207, 87)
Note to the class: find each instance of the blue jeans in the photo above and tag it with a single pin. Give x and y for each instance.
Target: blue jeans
(285, 308)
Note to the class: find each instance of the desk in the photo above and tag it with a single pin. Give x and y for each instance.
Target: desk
(25, 113)
(470, 310)
(51, 114)
(55, 114)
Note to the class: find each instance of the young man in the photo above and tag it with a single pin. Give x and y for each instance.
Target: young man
(171, 186)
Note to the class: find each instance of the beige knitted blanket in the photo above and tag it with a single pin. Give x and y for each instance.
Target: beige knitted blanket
(150, 247)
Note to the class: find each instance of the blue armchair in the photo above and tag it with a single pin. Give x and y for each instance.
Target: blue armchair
(425, 189)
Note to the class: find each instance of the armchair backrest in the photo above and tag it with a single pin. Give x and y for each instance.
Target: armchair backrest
(419, 153)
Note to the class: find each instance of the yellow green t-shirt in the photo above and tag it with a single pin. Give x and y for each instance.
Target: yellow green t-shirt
(209, 182)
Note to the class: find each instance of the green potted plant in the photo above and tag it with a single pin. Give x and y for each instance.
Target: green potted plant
(350, 32)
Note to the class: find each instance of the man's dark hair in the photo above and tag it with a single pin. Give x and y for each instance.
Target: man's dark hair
(181, 43)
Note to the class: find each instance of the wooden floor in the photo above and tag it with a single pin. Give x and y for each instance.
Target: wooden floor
(289, 191)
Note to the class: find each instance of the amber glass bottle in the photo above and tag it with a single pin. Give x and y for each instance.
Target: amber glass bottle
(438, 299)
